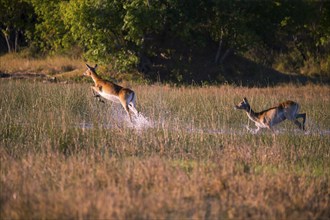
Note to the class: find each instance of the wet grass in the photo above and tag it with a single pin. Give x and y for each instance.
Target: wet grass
(194, 160)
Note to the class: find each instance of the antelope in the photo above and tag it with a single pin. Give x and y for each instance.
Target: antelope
(112, 91)
(272, 116)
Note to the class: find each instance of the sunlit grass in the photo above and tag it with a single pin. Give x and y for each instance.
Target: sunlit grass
(15, 63)
(65, 155)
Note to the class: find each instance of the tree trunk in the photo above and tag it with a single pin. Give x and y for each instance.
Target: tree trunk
(217, 56)
(218, 52)
(6, 35)
(16, 41)
(225, 55)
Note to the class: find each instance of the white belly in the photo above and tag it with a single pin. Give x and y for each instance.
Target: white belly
(261, 125)
(110, 97)
(257, 123)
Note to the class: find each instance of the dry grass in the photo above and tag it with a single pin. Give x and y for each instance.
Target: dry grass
(14, 63)
(62, 68)
(195, 161)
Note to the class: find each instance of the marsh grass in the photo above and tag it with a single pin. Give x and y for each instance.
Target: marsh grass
(16, 63)
(65, 155)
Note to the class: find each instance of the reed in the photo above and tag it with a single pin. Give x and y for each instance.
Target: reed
(13, 63)
(65, 155)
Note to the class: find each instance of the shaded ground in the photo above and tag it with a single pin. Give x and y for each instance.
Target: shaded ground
(194, 67)
(29, 76)
(183, 63)
(241, 71)
(23, 75)
(199, 68)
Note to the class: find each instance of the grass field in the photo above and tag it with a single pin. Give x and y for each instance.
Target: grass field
(66, 156)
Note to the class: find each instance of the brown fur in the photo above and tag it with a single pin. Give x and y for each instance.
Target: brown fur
(272, 116)
(111, 91)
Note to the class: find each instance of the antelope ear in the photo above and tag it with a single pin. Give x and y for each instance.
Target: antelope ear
(95, 66)
(88, 66)
(245, 100)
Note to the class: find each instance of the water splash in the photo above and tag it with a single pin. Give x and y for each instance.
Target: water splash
(140, 122)
(118, 119)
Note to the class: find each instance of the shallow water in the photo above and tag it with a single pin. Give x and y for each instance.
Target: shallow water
(118, 119)
(142, 122)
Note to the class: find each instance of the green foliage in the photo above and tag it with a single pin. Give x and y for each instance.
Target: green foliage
(141, 19)
(95, 26)
(50, 33)
(15, 19)
(125, 60)
(147, 35)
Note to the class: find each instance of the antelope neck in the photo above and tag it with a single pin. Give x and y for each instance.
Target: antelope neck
(251, 114)
(95, 77)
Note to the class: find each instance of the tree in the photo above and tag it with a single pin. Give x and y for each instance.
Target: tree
(95, 25)
(16, 17)
(50, 33)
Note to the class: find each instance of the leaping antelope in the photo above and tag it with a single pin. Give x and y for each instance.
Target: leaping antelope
(272, 116)
(112, 91)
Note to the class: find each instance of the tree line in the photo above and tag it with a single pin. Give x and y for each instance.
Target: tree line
(160, 38)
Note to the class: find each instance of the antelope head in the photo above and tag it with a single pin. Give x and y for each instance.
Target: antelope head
(90, 70)
(243, 105)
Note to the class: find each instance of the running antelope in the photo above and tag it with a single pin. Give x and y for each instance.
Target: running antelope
(112, 91)
(270, 117)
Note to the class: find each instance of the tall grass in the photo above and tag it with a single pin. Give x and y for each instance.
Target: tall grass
(16, 63)
(65, 155)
